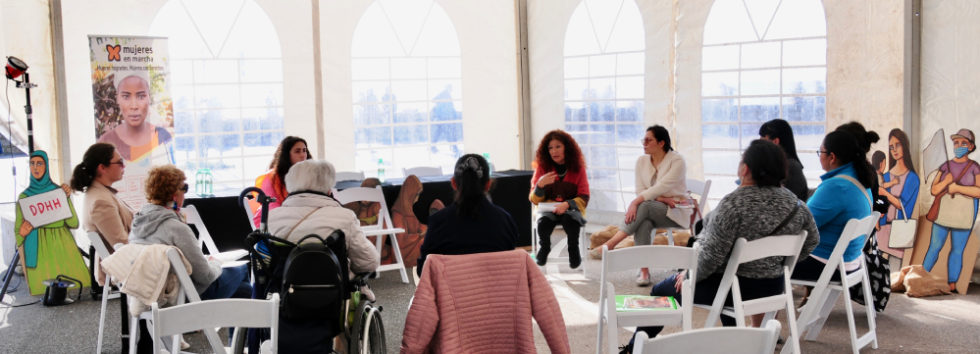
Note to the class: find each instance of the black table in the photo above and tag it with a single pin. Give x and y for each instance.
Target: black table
(228, 225)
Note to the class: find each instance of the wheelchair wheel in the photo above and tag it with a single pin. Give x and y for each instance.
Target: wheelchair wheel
(367, 334)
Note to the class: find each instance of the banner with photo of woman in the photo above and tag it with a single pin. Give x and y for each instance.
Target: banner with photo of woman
(133, 106)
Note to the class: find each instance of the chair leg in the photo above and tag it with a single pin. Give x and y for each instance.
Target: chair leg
(105, 299)
(819, 318)
(851, 323)
(599, 329)
(870, 311)
(397, 250)
(670, 237)
(134, 333)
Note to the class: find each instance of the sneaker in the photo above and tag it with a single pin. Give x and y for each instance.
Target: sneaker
(542, 256)
(642, 280)
(596, 253)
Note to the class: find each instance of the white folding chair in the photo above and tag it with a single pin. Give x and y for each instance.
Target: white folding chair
(203, 236)
(249, 213)
(382, 228)
(423, 171)
(695, 187)
(350, 176)
(242, 313)
(187, 293)
(788, 247)
(731, 340)
(659, 257)
(101, 252)
(825, 292)
(583, 250)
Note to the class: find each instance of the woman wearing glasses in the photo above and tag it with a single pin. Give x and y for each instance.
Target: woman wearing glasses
(102, 211)
(660, 186)
(159, 222)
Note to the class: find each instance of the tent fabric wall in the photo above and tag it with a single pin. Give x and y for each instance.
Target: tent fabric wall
(25, 32)
(950, 68)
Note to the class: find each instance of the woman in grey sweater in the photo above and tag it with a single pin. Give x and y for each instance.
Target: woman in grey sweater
(159, 222)
(755, 210)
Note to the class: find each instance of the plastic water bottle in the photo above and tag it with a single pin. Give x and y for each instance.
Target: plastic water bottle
(204, 182)
(381, 170)
(486, 156)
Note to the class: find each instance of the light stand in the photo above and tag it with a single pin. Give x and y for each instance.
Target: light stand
(15, 68)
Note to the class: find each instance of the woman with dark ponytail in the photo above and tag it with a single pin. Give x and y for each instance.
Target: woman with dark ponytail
(843, 194)
(471, 224)
(102, 211)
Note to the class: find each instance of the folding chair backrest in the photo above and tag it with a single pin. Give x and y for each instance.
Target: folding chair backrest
(365, 194)
(853, 229)
(194, 218)
(215, 313)
(769, 246)
(734, 340)
(96, 240)
(350, 176)
(658, 257)
(423, 171)
(701, 189)
(249, 212)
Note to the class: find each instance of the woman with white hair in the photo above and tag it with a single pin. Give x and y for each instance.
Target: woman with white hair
(309, 209)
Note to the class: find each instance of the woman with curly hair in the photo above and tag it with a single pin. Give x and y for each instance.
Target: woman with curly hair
(291, 150)
(660, 186)
(560, 178)
(159, 222)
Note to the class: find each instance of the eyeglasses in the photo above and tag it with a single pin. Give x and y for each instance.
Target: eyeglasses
(185, 188)
(120, 163)
(822, 152)
(37, 163)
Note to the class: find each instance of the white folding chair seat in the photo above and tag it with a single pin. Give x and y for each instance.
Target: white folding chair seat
(101, 252)
(349, 176)
(582, 240)
(695, 187)
(628, 259)
(825, 292)
(382, 229)
(187, 293)
(787, 246)
(242, 313)
(423, 171)
(729, 340)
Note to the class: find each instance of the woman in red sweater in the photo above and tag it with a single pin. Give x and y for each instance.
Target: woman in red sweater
(560, 178)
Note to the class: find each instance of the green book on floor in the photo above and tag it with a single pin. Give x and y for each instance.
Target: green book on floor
(645, 303)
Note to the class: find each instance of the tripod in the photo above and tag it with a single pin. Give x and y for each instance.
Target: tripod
(16, 67)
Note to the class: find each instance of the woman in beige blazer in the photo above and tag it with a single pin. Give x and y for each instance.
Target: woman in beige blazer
(103, 212)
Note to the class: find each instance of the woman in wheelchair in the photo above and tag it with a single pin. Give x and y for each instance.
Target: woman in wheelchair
(159, 222)
(758, 208)
(309, 215)
(471, 224)
(310, 210)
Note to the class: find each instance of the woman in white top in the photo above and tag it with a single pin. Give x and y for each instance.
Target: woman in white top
(660, 186)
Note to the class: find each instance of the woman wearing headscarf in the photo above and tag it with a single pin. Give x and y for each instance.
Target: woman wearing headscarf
(48, 250)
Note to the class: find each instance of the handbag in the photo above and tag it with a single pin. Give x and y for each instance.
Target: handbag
(903, 232)
(879, 275)
(934, 209)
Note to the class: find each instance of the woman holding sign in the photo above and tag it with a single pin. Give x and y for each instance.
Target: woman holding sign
(48, 248)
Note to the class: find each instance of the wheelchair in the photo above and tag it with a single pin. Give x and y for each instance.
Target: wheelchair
(355, 317)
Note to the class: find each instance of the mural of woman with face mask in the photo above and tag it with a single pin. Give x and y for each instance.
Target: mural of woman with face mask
(958, 209)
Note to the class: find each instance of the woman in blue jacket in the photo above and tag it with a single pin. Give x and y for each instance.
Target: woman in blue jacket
(843, 194)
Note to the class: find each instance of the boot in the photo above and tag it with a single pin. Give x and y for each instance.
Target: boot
(542, 256)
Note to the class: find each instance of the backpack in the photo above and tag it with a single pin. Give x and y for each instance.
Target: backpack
(315, 279)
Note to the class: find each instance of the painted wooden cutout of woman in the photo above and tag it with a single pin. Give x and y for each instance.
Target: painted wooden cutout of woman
(47, 250)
